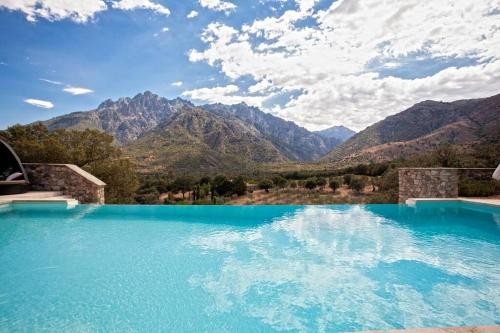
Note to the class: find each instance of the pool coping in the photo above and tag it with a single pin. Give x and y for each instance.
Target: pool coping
(493, 202)
(462, 329)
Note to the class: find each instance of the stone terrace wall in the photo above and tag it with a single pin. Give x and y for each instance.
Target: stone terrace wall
(68, 178)
(427, 183)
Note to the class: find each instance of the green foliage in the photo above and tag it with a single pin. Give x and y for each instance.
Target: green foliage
(239, 186)
(280, 181)
(89, 149)
(478, 188)
(310, 183)
(265, 185)
(181, 184)
(347, 179)
(357, 184)
(334, 184)
(321, 181)
(222, 186)
(293, 184)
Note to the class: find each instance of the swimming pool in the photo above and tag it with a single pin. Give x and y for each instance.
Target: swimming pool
(249, 268)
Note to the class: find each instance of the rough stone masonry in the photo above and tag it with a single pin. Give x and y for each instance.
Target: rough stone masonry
(67, 178)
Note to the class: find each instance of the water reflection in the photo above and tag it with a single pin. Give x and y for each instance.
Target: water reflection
(348, 268)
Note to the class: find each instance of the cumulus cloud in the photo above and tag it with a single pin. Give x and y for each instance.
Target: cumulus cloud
(39, 103)
(226, 95)
(79, 11)
(218, 5)
(192, 14)
(329, 59)
(141, 4)
(177, 83)
(77, 90)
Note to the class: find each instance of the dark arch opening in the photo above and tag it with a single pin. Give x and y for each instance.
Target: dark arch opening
(13, 177)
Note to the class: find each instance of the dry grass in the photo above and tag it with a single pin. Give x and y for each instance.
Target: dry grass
(302, 196)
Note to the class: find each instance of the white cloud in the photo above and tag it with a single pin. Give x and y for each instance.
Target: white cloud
(225, 95)
(329, 61)
(192, 14)
(77, 90)
(57, 83)
(39, 103)
(141, 4)
(218, 5)
(165, 29)
(177, 83)
(55, 10)
(79, 11)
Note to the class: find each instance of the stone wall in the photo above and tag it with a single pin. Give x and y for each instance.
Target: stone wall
(427, 183)
(67, 178)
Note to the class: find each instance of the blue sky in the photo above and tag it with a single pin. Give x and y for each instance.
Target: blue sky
(316, 62)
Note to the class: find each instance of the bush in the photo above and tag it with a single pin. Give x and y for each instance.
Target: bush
(334, 184)
(293, 184)
(239, 186)
(321, 181)
(279, 181)
(357, 184)
(478, 188)
(347, 179)
(310, 183)
(265, 185)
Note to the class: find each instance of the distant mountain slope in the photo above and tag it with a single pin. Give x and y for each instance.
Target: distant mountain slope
(126, 119)
(338, 132)
(196, 140)
(420, 128)
(295, 142)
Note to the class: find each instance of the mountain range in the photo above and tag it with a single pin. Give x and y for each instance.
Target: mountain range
(421, 128)
(177, 135)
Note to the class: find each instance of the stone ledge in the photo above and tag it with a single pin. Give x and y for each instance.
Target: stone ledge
(67, 178)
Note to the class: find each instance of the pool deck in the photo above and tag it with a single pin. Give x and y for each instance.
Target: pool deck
(38, 197)
(466, 329)
(490, 201)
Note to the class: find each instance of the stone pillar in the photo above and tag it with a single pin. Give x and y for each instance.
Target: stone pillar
(427, 183)
(67, 178)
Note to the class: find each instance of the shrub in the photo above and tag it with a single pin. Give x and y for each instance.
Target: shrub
(310, 183)
(321, 181)
(239, 186)
(357, 184)
(334, 184)
(293, 184)
(265, 185)
(478, 188)
(279, 181)
(347, 179)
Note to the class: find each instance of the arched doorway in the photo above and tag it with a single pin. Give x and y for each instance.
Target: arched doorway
(13, 177)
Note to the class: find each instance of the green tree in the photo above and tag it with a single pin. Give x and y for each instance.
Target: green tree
(357, 184)
(334, 184)
(91, 150)
(239, 186)
(181, 184)
(310, 183)
(279, 181)
(265, 185)
(222, 186)
(321, 182)
(347, 179)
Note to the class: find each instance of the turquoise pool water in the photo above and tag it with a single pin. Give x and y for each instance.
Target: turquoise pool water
(247, 269)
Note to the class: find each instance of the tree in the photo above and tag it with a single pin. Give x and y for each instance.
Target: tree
(357, 184)
(91, 150)
(239, 186)
(347, 179)
(279, 181)
(181, 184)
(310, 183)
(321, 182)
(334, 184)
(222, 186)
(265, 185)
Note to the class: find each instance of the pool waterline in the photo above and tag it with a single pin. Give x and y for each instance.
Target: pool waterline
(248, 268)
